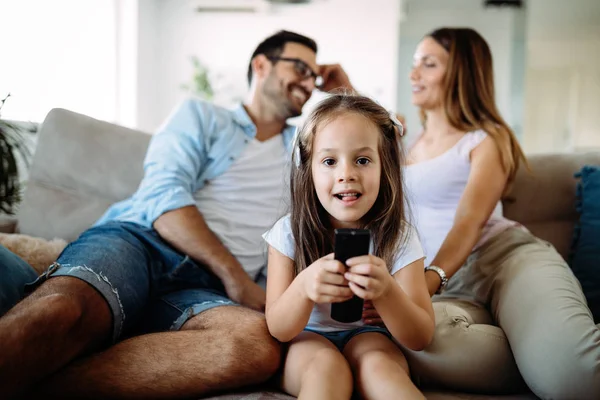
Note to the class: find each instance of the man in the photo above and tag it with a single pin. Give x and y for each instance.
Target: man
(180, 255)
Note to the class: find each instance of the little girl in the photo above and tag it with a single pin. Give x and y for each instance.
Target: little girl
(346, 174)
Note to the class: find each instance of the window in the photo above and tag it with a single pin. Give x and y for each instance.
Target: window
(59, 53)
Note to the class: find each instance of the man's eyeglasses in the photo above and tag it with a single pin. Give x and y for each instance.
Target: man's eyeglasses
(301, 68)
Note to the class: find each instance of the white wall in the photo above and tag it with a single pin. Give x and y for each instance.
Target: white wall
(361, 35)
(563, 80)
(148, 62)
(57, 53)
(546, 61)
(497, 26)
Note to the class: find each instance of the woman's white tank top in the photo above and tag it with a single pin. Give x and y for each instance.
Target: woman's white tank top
(434, 188)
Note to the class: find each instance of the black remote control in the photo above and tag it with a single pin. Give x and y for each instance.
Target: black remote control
(350, 243)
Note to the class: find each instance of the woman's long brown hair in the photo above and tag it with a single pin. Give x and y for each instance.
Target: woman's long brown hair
(310, 222)
(469, 93)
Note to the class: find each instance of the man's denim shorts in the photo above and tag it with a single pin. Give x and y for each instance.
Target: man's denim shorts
(341, 338)
(149, 286)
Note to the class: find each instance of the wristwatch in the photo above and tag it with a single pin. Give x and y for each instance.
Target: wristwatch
(442, 275)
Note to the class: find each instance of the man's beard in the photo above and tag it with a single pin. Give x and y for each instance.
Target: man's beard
(279, 98)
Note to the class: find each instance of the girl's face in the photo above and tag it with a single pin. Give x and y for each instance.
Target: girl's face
(427, 74)
(346, 168)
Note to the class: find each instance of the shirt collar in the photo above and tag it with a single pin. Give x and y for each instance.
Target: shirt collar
(242, 118)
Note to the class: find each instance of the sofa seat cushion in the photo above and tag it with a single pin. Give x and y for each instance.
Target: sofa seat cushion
(430, 395)
(585, 254)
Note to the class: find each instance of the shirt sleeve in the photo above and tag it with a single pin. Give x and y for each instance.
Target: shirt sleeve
(173, 162)
(280, 237)
(410, 252)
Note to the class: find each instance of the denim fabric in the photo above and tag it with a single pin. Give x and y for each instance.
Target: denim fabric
(141, 277)
(199, 142)
(341, 338)
(14, 274)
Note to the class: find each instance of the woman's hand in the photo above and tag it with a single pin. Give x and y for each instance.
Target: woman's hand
(323, 281)
(369, 277)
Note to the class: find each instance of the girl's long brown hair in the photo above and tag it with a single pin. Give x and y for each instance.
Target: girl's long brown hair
(469, 93)
(310, 222)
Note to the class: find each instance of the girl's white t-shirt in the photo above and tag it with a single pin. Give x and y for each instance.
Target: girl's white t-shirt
(280, 237)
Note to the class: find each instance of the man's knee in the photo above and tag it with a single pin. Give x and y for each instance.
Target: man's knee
(64, 309)
(243, 337)
(77, 290)
(71, 300)
(258, 346)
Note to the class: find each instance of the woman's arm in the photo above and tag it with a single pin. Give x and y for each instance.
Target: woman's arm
(485, 186)
(288, 308)
(406, 307)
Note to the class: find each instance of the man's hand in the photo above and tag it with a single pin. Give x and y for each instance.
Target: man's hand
(334, 77)
(247, 293)
(186, 230)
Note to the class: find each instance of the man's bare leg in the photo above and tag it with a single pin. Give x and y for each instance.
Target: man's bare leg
(222, 348)
(62, 319)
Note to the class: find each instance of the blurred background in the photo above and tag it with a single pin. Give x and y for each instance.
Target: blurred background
(131, 61)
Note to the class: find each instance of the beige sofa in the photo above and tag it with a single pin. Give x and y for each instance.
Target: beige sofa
(82, 165)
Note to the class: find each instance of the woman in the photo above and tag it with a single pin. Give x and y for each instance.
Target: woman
(458, 169)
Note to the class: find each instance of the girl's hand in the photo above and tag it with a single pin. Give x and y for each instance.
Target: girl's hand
(324, 282)
(369, 277)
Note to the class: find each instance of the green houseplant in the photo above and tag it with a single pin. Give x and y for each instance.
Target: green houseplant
(13, 147)
(200, 84)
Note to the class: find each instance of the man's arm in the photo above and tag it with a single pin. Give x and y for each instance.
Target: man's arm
(186, 230)
(176, 157)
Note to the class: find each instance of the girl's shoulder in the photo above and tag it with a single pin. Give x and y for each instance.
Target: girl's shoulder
(409, 248)
(410, 237)
(285, 221)
(282, 226)
(280, 236)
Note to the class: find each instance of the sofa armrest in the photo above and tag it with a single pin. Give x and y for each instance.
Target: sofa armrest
(8, 224)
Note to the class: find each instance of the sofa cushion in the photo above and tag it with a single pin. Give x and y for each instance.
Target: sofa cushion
(585, 256)
(543, 199)
(37, 252)
(430, 395)
(81, 166)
